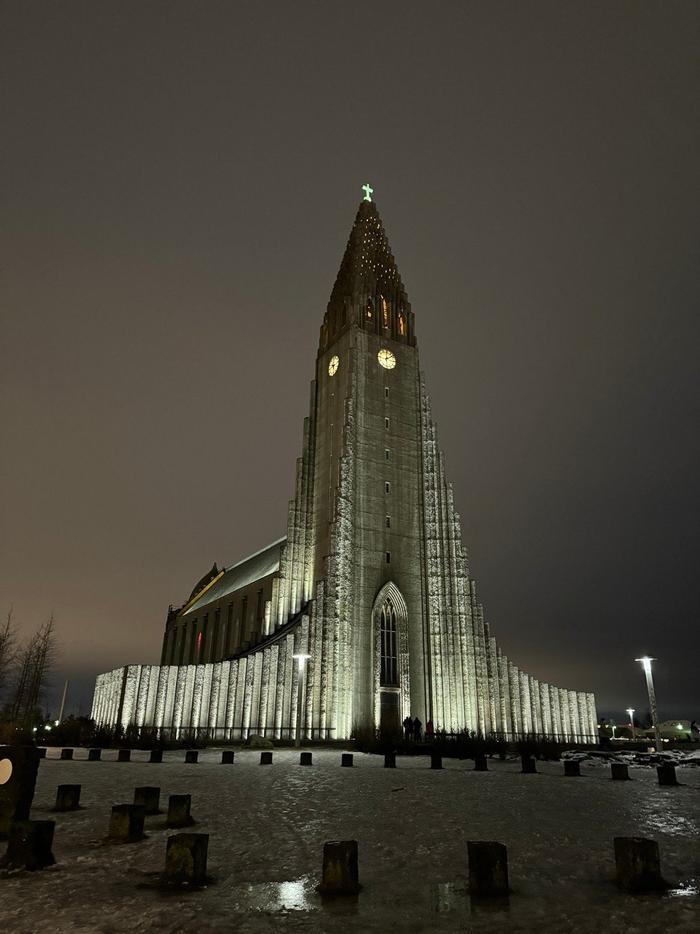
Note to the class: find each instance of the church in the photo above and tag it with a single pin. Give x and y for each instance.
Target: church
(364, 612)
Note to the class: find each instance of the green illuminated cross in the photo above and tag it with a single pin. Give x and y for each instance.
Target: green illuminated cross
(368, 191)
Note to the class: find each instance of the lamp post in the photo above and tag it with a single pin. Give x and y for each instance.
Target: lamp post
(630, 711)
(645, 662)
(301, 685)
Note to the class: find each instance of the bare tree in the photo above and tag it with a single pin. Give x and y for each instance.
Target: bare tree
(8, 647)
(34, 661)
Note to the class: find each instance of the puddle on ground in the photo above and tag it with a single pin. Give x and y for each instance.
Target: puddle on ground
(301, 895)
(684, 889)
(294, 895)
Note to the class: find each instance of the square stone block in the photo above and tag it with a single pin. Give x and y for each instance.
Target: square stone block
(572, 769)
(227, 757)
(94, 755)
(191, 755)
(179, 811)
(126, 823)
(67, 798)
(346, 760)
(528, 765)
(66, 753)
(156, 755)
(265, 758)
(637, 864)
(666, 774)
(186, 858)
(488, 868)
(340, 874)
(618, 772)
(124, 755)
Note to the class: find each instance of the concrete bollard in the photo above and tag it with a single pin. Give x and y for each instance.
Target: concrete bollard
(94, 755)
(179, 811)
(18, 770)
(29, 845)
(66, 753)
(265, 758)
(156, 755)
(618, 772)
(340, 874)
(666, 774)
(191, 755)
(480, 762)
(389, 760)
(186, 859)
(126, 823)
(305, 758)
(42, 752)
(227, 757)
(346, 760)
(572, 769)
(435, 760)
(528, 764)
(149, 797)
(637, 864)
(488, 869)
(67, 798)
(124, 755)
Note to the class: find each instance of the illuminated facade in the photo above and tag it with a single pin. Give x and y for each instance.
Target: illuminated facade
(371, 581)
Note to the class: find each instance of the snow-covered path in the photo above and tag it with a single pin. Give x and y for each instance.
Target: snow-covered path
(267, 826)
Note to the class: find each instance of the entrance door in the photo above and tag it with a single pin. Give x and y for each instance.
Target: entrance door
(389, 721)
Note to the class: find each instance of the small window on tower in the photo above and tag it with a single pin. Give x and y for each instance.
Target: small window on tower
(386, 392)
(386, 454)
(387, 486)
(402, 326)
(387, 522)
(388, 557)
(386, 422)
(369, 309)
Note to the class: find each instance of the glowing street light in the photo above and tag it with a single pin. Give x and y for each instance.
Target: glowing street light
(630, 711)
(645, 662)
(301, 682)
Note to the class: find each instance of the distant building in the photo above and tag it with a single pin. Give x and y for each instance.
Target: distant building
(371, 581)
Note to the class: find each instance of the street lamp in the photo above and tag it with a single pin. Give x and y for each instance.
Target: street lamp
(301, 685)
(645, 662)
(630, 711)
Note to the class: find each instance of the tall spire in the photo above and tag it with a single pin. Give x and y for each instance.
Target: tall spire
(368, 290)
(368, 267)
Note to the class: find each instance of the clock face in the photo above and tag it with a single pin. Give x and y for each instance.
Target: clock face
(333, 365)
(386, 359)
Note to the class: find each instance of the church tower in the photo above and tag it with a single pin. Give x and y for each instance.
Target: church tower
(366, 611)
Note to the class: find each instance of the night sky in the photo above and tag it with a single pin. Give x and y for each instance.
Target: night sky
(178, 184)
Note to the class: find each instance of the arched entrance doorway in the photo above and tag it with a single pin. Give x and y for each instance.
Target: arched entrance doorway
(391, 669)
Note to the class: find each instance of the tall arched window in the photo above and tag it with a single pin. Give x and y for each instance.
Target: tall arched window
(402, 328)
(388, 671)
(385, 312)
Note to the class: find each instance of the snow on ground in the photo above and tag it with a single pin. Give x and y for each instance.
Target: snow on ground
(267, 826)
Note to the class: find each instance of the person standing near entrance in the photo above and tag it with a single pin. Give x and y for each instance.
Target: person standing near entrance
(429, 731)
(417, 726)
(408, 728)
